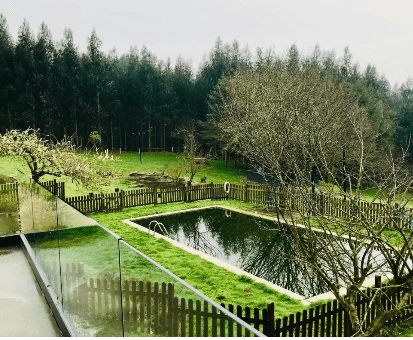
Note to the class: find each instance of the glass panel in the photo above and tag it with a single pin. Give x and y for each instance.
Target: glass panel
(90, 275)
(25, 202)
(46, 235)
(26, 193)
(9, 217)
(157, 304)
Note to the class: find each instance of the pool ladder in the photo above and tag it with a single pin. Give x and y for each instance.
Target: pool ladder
(158, 224)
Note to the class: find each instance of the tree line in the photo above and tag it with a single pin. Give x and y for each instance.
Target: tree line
(136, 101)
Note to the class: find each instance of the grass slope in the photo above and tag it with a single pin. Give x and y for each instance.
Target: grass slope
(215, 171)
(213, 281)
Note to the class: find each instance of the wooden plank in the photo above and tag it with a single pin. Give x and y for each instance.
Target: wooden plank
(316, 320)
(134, 298)
(198, 318)
(113, 293)
(183, 317)
(247, 320)
(277, 327)
(190, 318)
(214, 321)
(222, 328)
(239, 328)
(284, 327)
(141, 307)
(148, 306)
(163, 320)
(257, 318)
(304, 324)
(156, 307)
(99, 297)
(175, 318)
(126, 305)
(335, 312)
(231, 322)
(105, 297)
(205, 313)
(291, 325)
(328, 329)
(297, 324)
(170, 309)
(310, 322)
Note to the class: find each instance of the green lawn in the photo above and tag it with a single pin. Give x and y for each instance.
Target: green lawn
(215, 171)
(213, 281)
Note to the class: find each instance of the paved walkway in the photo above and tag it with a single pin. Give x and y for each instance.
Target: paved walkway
(23, 308)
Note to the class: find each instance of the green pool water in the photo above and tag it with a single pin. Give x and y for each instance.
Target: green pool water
(258, 246)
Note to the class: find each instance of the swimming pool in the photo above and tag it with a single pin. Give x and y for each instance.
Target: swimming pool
(255, 245)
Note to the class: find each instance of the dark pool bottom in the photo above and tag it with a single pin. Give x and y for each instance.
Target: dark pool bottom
(258, 246)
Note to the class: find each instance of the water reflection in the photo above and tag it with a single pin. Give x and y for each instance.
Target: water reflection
(258, 246)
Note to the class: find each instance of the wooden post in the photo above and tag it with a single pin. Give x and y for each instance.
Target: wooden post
(101, 201)
(54, 187)
(271, 320)
(212, 191)
(154, 195)
(246, 192)
(122, 203)
(189, 192)
(184, 192)
(63, 191)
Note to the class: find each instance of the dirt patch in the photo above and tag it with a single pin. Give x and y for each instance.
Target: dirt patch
(155, 179)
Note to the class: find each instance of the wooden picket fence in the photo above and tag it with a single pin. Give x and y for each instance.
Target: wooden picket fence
(8, 200)
(132, 198)
(10, 190)
(56, 188)
(154, 309)
(337, 207)
(258, 194)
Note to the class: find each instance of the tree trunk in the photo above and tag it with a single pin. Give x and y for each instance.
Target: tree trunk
(149, 135)
(98, 109)
(8, 111)
(111, 132)
(76, 132)
(142, 135)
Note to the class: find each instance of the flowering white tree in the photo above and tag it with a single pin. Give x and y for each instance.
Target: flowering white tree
(60, 158)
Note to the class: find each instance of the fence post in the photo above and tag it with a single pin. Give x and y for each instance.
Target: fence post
(155, 195)
(63, 191)
(212, 191)
(101, 201)
(184, 192)
(271, 320)
(246, 192)
(122, 203)
(54, 187)
(189, 192)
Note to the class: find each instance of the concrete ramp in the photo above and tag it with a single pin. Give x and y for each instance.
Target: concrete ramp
(23, 307)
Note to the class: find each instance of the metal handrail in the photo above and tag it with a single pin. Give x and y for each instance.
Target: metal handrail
(160, 225)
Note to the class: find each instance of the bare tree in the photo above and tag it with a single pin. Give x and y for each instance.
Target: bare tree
(291, 123)
(190, 158)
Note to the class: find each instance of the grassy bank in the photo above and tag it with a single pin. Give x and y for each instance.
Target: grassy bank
(213, 281)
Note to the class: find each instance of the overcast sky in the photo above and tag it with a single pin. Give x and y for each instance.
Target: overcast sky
(377, 32)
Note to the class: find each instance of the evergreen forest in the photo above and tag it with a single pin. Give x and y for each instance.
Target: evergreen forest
(136, 101)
